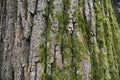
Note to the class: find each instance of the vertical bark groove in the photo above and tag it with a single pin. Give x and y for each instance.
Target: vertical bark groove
(59, 40)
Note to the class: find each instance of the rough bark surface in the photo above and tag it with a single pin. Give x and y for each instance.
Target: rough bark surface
(59, 40)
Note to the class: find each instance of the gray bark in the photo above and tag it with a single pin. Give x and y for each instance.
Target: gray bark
(25, 25)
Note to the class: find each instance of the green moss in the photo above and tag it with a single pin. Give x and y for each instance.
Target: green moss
(75, 48)
(41, 51)
(45, 77)
(44, 49)
(116, 40)
(103, 61)
(106, 39)
(114, 72)
(59, 36)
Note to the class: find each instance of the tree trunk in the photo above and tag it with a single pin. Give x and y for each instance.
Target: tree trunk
(59, 40)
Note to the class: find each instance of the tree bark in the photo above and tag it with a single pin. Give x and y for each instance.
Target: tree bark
(59, 40)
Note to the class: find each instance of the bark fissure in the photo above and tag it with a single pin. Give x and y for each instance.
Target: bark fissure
(59, 40)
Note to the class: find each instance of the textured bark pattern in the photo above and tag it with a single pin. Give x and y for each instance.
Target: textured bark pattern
(59, 40)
